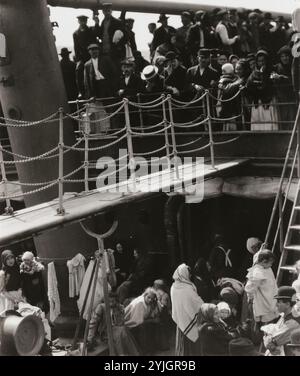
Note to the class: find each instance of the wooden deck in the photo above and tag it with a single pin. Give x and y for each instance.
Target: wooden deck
(78, 206)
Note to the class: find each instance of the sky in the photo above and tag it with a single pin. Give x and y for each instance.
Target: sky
(67, 21)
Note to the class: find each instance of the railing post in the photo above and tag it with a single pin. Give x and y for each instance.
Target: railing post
(211, 141)
(61, 209)
(175, 152)
(140, 112)
(129, 144)
(166, 131)
(242, 111)
(281, 236)
(86, 132)
(9, 209)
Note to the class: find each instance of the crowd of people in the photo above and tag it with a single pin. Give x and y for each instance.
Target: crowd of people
(222, 51)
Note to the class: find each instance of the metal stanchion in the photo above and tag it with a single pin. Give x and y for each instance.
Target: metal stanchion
(211, 142)
(166, 132)
(140, 112)
(129, 144)
(61, 209)
(9, 209)
(86, 131)
(175, 153)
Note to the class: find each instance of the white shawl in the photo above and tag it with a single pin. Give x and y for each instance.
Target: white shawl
(53, 294)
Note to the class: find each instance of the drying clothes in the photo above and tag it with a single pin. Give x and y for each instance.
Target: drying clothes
(76, 274)
(53, 294)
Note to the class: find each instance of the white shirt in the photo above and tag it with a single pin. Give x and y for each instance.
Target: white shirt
(96, 69)
(222, 31)
(127, 80)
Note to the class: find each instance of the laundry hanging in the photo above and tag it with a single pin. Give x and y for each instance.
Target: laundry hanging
(76, 274)
(53, 293)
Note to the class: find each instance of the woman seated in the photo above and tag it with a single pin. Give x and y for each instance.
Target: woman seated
(142, 316)
(214, 338)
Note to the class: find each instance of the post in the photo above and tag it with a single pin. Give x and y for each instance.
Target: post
(86, 149)
(281, 236)
(298, 138)
(140, 112)
(175, 153)
(166, 132)
(61, 209)
(129, 144)
(211, 142)
(9, 209)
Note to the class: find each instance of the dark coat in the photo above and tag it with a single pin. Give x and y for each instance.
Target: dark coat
(177, 78)
(34, 290)
(193, 38)
(260, 87)
(68, 68)
(214, 340)
(108, 85)
(161, 35)
(135, 85)
(193, 76)
(118, 49)
(82, 39)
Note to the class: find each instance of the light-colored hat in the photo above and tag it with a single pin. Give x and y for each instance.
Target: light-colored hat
(223, 306)
(253, 244)
(227, 68)
(27, 256)
(149, 72)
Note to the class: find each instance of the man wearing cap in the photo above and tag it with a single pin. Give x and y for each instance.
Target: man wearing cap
(223, 31)
(196, 36)
(181, 36)
(276, 340)
(82, 38)
(162, 34)
(130, 83)
(68, 69)
(112, 34)
(175, 74)
(130, 35)
(99, 74)
(201, 76)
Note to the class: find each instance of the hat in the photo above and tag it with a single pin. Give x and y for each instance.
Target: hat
(159, 282)
(252, 15)
(92, 46)
(223, 306)
(284, 50)
(286, 292)
(65, 51)
(171, 55)
(267, 16)
(106, 5)
(222, 12)
(227, 68)
(162, 17)
(242, 347)
(27, 256)
(229, 295)
(149, 72)
(160, 60)
(253, 244)
(204, 52)
(127, 62)
(82, 17)
(186, 14)
(295, 338)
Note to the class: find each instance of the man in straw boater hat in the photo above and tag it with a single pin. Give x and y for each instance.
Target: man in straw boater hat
(154, 82)
(278, 335)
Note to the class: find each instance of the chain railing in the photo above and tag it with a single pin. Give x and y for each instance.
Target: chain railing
(165, 108)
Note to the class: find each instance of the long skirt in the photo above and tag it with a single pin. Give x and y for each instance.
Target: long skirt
(264, 118)
(124, 342)
(185, 347)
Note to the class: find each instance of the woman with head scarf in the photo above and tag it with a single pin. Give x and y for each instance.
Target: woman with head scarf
(261, 92)
(185, 307)
(214, 338)
(10, 282)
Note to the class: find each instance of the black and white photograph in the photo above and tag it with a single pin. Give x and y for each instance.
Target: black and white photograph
(149, 181)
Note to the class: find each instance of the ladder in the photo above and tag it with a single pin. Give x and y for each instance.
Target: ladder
(288, 248)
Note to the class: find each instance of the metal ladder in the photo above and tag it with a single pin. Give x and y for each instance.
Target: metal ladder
(293, 227)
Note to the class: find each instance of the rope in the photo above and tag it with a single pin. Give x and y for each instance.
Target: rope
(190, 143)
(98, 147)
(22, 123)
(194, 150)
(227, 141)
(192, 125)
(226, 100)
(107, 134)
(145, 107)
(151, 133)
(32, 184)
(185, 104)
(150, 152)
(225, 119)
(151, 102)
(30, 192)
(31, 159)
(98, 120)
(190, 122)
(150, 126)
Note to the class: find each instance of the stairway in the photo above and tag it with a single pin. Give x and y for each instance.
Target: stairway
(291, 245)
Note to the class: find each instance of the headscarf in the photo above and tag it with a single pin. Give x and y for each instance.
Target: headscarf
(182, 275)
(207, 312)
(229, 295)
(12, 273)
(253, 245)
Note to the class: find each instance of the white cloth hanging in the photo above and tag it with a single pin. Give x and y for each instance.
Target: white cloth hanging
(76, 274)
(53, 294)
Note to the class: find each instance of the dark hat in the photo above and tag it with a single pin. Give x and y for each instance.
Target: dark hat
(250, 57)
(199, 12)
(149, 72)
(204, 52)
(127, 62)
(242, 347)
(253, 15)
(171, 55)
(106, 5)
(284, 50)
(162, 17)
(186, 14)
(229, 295)
(129, 20)
(82, 17)
(65, 51)
(286, 292)
(295, 338)
(267, 16)
(222, 12)
(92, 46)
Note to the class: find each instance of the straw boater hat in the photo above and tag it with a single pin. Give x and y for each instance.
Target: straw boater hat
(150, 71)
(253, 244)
